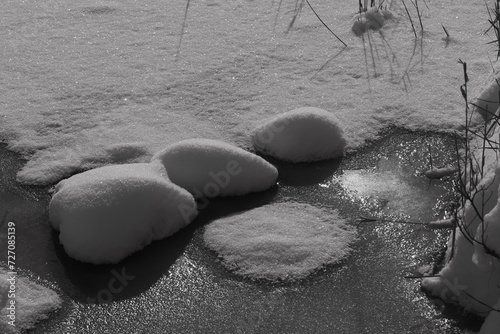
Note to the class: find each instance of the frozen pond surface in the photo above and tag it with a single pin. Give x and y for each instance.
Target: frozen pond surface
(178, 286)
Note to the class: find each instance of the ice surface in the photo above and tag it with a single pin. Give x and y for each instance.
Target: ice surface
(283, 241)
(299, 135)
(107, 213)
(33, 302)
(210, 168)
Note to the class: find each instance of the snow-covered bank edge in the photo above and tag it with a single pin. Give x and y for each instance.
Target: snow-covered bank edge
(471, 275)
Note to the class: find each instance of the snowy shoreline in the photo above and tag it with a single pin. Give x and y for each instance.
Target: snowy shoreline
(102, 83)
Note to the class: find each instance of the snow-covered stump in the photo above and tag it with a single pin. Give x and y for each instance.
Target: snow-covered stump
(301, 135)
(108, 213)
(210, 168)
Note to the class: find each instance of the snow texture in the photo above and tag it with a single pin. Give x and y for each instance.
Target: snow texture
(300, 135)
(211, 168)
(107, 213)
(283, 241)
(82, 78)
(33, 302)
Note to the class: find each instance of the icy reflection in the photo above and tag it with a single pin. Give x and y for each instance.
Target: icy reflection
(395, 186)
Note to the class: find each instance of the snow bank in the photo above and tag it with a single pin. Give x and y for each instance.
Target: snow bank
(283, 241)
(211, 168)
(59, 165)
(33, 302)
(486, 104)
(303, 134)
(471, 277)
(107, 213)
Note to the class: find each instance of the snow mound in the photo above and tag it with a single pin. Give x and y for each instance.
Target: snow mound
(372, 19)
(211, 168)
(486, 104)
(107, 213)
(284, 241)
(33, 302)
(471, 276)
(300, 135)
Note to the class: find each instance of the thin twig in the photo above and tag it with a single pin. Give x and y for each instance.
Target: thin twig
(319, 18)
(182, 30)
(411, 21)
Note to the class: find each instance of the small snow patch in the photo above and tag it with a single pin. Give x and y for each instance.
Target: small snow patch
(33, 303)
(211, 168)
(301, 135)
(107, 213)
(284, 241)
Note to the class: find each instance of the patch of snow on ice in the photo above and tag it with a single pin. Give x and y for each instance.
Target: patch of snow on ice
(107, 213)
(33, 302)
(300, 135)
(283, 241)
(211, 168)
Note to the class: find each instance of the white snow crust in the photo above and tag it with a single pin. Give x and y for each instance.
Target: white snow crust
(282, 241)
(80, 79)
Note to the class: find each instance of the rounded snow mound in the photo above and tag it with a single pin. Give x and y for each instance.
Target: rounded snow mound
(284, 241)
(211, 168)
(300, 135)
(107, 213)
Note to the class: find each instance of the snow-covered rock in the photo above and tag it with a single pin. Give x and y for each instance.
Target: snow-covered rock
(283, 241)
(32, 303)
(300, 135)
(211, 168)
(107, 213)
